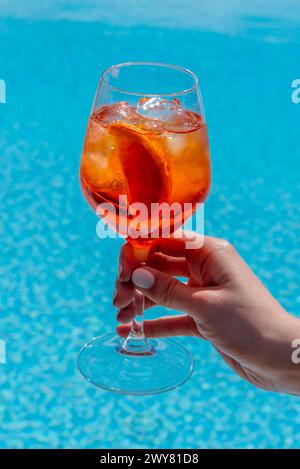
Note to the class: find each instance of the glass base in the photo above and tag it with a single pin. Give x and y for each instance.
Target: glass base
(104, 362)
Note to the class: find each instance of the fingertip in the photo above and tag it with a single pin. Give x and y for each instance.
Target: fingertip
(124, 272)
(123, 295)
(143, 278)
(126, 314)
(123, 330)
(120, 272)
(126, 269)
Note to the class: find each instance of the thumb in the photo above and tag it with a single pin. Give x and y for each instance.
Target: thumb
(167, 291)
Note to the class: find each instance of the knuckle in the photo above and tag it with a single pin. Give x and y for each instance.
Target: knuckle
(155, 261)
(169, 292)
(224, 245)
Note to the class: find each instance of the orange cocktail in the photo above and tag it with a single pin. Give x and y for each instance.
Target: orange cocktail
(154, 158)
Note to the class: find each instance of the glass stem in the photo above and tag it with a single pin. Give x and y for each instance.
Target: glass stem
(136, 343)
(137, 328)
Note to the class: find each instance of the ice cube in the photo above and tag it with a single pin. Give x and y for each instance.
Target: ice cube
(157, 108)
(120, 111)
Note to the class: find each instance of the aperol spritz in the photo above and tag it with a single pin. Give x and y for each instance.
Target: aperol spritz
(145, 166)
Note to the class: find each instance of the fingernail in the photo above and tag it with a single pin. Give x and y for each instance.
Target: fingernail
(143, 278)
(120, 271)
(115, 294)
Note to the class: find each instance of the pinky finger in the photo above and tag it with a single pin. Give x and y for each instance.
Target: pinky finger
(166, 326)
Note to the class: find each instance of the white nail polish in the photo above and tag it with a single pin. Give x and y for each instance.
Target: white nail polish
(143, 278)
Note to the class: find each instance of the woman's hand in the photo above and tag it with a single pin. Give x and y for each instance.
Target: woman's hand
(224, 303)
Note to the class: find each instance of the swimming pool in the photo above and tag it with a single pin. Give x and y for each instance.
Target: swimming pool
(56, 277)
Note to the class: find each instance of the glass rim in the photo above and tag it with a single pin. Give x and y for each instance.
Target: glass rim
(153, 64)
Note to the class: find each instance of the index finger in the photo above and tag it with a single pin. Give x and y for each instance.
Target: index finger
(178, 244)
(127, 262)
(174, 246)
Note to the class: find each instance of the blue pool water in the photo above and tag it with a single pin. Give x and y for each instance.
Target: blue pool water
(56, 276)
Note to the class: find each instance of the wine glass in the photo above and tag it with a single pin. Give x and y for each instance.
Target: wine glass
(146, 146)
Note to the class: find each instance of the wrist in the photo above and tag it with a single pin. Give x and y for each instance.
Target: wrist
(285, 371)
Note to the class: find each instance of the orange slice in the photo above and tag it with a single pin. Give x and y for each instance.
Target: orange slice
(144, 164)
